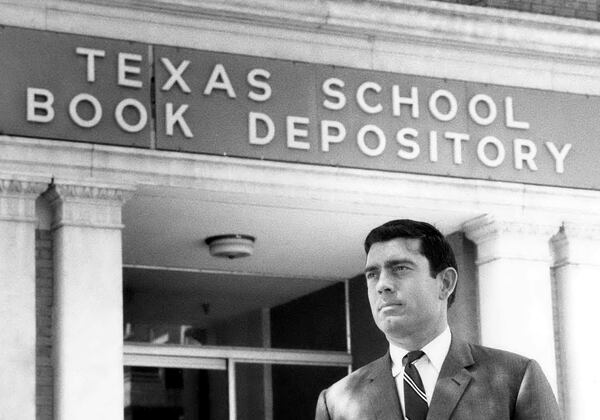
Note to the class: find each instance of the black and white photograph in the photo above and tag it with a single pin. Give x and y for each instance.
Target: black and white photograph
(299, 209)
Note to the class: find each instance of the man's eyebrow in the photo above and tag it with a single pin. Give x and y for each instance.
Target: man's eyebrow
(391, 263)
(370, 268)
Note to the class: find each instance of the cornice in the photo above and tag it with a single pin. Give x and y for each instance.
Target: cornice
(428, 21)
(420, 21)
(308, 185)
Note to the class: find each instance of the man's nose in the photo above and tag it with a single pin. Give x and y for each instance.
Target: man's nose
(385, 283)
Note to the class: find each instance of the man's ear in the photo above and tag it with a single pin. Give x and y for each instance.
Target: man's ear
(448, 277)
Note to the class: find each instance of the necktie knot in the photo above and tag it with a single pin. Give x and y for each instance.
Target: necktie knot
(411, 356)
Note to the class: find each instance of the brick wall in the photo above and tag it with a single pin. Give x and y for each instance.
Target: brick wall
(44, 297)
(581, 9)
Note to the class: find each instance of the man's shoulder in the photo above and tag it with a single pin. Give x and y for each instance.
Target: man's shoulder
(349, 397)
(360, 376)
(499, 359)
(509, 377)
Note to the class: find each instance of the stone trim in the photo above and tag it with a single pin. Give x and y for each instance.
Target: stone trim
(93, 192)
(387, 19)
(87, 205)
(17, 197)
(485, 227)
(514, 238)
(21, 186)
(453, 40)
(576, 243)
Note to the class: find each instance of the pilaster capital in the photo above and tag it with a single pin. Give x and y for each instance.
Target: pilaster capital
(88, 204)
(502, 237)
(18, 194)
(488, 227)
(577, 243)
(116, 195)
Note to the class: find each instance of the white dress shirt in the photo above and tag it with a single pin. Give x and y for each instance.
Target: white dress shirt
(429, 366)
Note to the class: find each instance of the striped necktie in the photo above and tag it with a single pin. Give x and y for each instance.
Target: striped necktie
(415, 400)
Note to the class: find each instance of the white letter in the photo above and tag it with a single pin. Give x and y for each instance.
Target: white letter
(125, 69)
(360, 97)
(492, 110)
(401, 137)
(559, 156)
(124, 124)
(458, 139)
(327, 90)
(525, 156)
(45, 106)
(176, 75)
(433, 146)
(293, 132)
(253, 138)
(362, 145)
(219, 80)
(501, 153)
(177, 118)
(412, 100)
(91, 56)
(327, 138)
(510, 116)
(254, 82)
(453, 106)
(75, 116)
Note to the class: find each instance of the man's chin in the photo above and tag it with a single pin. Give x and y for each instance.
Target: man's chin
(393, 325)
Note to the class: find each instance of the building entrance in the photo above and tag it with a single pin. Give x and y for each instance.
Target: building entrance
(158, 393)
(224, 346)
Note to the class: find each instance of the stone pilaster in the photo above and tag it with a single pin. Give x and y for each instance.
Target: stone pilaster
(515, 287)
(17, 295)
(576, 272)
(88, 309)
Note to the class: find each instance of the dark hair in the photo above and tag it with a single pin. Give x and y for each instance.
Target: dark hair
(434, 245)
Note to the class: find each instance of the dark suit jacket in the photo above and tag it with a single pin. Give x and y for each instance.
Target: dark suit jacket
(475, 383)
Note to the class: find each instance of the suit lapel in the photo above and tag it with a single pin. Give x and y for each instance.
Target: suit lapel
(381, 390)
(452, 382)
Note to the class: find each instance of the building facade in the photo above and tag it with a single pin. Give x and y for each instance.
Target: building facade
(130, 132)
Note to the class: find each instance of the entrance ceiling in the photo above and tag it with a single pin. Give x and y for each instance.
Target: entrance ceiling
(296, 240)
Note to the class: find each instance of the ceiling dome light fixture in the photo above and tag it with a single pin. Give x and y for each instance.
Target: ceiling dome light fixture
(231, 245)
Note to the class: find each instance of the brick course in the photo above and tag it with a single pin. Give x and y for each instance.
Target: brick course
(43, 300)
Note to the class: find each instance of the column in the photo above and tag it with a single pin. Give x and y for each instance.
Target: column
(576, 269)
(88, 307)
(17, 295)
(515, 287)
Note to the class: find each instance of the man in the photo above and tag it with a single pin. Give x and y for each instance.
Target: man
(411, 276)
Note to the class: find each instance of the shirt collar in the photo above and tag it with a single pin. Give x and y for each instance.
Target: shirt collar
(436, 351)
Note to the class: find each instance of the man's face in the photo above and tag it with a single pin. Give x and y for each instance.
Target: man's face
(408, 305)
